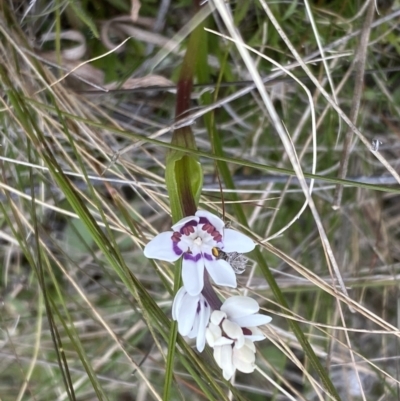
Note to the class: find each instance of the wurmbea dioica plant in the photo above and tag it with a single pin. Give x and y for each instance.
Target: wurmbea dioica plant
(232, 330)
(199, 240)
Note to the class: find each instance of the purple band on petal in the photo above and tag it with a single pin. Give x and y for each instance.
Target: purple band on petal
(204, 220)
(191, 257)
(176, 248)
(192, 223)
(208, 256)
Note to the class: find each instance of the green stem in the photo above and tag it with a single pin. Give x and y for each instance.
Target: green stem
(183, 175)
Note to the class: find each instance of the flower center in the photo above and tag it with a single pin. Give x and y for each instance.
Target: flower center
(198, 238)
(198, 241)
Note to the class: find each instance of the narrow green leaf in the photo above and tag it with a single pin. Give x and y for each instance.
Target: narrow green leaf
(83, 16)
(290, 10)
(169, 368)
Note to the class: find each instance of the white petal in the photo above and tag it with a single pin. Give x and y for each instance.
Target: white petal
(244, 359)
(204, 318)
(195, 329)
(207, 248)
(256, 334)
(252, 320)
(239, 306)
(217, 355)
(250, 345)
(255, 331)
(193, 276)
(161, 247)
(217, 316)
(235, 241)
(244, 354)
(214, 336)
(255, 337)
(213, 333)
(244, 367)
(177, 226)
(187, 314)
(201, 341)
(177, 302)
(231, 329)
(209, 338)
(228, 372)
(223, 357)
(221, 272)
(215, 330)
(213, 219)
(223, 341)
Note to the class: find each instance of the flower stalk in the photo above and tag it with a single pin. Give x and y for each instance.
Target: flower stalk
(184, 175)
(183, 172)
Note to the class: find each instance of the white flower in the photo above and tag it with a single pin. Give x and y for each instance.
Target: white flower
(192, 314)
(232, 331)
(196, 238)
(231, 358)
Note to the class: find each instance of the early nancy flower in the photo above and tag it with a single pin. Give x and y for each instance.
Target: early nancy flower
(192, 314)
(232, 331)
(198, 238)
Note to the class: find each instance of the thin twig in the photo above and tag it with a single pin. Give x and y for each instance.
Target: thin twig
(285, 139)
(359, 64)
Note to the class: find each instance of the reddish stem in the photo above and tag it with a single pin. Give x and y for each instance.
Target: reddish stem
(209, 294)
